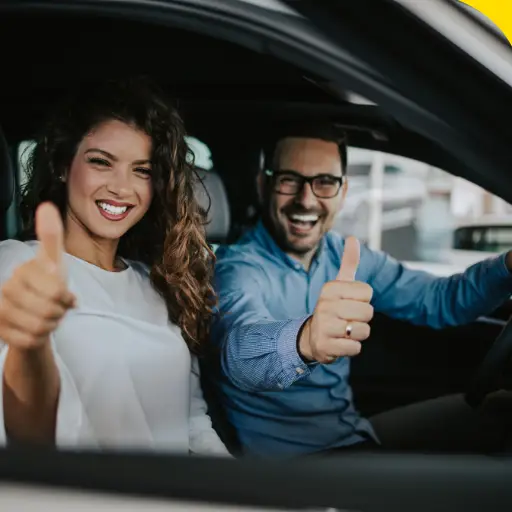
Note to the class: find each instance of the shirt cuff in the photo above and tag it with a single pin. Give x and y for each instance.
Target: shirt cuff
(497, 275)
(501, 262)
(293, 367)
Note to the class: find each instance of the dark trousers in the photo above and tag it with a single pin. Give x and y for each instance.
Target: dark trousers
(444, 425)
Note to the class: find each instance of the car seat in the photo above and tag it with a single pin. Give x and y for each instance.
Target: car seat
(7, 191)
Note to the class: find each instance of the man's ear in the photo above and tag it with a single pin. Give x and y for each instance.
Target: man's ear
(260, 186)
(344, 187)
(344, 190)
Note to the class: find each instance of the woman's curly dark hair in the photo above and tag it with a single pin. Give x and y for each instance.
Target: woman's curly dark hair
(170, 238)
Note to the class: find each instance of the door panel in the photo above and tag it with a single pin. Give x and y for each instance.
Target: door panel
(401, 363)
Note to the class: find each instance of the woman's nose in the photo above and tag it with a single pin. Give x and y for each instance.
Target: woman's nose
(120, 183)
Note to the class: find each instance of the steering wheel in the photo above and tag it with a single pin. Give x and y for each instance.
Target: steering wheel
(491, 371)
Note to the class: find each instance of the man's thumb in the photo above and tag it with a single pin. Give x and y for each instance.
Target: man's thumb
(349, 260)
(50, 233)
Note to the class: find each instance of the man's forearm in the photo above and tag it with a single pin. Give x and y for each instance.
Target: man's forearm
(463, 298)
(263, 356)
(31, 387)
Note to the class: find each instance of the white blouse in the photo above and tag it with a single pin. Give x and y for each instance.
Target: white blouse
(127, 377)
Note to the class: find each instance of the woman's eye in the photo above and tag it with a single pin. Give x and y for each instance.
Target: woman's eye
(144, 171)
(99, 161)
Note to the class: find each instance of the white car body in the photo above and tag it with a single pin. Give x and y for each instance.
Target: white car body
(457, 260)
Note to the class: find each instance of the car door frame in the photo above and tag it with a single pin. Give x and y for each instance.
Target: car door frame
(366, 482)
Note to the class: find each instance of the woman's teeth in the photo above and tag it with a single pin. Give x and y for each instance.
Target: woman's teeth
(115, 210)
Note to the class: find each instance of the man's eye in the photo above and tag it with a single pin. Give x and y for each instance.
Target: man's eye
(289, 179)
(326, 182)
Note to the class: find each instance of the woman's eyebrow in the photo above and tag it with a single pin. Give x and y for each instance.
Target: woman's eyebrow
(114, 158)
(103, 152)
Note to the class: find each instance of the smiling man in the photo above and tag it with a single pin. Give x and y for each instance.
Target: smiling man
(298, 216)
(296, 301)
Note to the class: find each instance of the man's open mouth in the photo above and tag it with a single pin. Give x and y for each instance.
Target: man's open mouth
(303, 222)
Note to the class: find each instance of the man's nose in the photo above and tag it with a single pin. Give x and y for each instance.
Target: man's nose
(306, 197)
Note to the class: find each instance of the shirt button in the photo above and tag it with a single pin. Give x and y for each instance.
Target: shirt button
(300, 371)
(280, 386)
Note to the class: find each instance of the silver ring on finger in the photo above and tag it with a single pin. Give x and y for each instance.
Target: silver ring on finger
(348, 330)
(331, 359)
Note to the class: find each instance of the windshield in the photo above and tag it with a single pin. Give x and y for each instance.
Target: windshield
(493, 239)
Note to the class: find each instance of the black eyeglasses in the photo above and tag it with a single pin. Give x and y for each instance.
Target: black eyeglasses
(290, 183)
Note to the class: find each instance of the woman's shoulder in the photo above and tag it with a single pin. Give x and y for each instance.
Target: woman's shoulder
(14, 253)
(14, 249)
(138, 267)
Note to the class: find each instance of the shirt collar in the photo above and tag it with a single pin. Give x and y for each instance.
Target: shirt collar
(266, 240)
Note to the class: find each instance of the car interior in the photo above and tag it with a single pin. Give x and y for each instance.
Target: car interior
(229, 94)
(219, 84)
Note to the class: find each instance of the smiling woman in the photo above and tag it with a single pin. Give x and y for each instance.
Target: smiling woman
(111, 175)
(103, 314)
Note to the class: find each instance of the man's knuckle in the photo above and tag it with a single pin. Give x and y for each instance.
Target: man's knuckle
(368, 291)
(328, 289)
(324, 307)
(369, 311)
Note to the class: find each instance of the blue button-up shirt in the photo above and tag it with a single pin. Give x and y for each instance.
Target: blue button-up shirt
(281, 406)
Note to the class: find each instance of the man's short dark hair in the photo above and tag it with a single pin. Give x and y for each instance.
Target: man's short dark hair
(306, 129)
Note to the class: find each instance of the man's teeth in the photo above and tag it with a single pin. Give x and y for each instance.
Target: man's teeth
(304, 218)
(115, 210)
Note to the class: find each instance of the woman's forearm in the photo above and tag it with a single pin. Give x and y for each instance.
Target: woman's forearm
(31, 386)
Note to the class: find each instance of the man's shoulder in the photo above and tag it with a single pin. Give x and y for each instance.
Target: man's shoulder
(246, 258)
(334, 241)
(245, 261)
(247, 250)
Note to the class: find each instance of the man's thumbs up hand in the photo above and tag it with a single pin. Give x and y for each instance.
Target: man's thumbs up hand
(349, 260)
(340, 320)
(35, 298)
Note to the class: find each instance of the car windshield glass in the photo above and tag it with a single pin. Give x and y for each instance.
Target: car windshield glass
(412, 210)
(486, 238)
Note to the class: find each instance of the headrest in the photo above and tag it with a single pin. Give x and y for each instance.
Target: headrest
(6, 176)
(219, 219)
